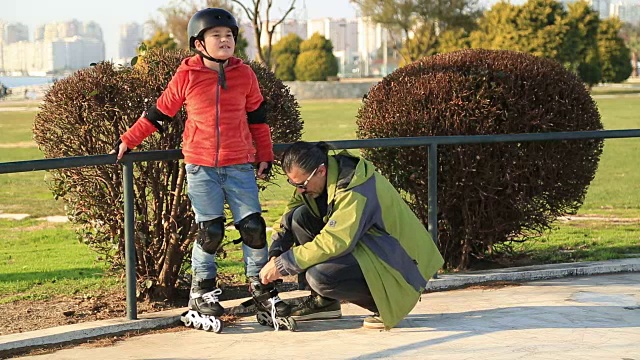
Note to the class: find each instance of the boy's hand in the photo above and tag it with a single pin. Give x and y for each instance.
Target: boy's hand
(264, 168)
(121, 149)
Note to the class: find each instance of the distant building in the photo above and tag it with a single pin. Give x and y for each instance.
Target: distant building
(601, 6)
(343, 34)
(50, 32)
(57, 47)
(2, 32)
(91, 30)
(373, 39)
(15, 32)
(629, 13)
(626, 10)
(246, 29)
(38, 34)
(288, 26)
(359, 43)
(131, 36)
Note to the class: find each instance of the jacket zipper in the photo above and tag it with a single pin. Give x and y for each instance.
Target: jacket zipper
(218, 120)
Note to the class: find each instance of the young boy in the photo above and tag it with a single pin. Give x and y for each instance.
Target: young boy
(225, 117)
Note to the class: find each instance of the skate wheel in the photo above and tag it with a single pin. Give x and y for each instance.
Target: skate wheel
(207, 326)
(186, 320)
(292, 325)
(263, 319)
(217, 326)
(197, 325)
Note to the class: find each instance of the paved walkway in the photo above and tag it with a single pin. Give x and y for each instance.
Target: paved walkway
(589, 317)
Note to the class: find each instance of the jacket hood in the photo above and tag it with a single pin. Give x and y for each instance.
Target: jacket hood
(347, 171)
(195, 63)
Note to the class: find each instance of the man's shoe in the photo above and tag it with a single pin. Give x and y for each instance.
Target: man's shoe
(373, 322)
(316, 307)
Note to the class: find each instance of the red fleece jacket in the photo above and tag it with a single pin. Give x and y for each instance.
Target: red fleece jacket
(216, 132)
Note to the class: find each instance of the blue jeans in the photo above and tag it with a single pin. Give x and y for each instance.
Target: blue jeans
(208, 187)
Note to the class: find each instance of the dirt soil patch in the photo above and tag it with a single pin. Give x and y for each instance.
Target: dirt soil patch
(28, 315)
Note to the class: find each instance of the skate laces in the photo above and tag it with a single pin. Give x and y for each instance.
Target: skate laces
(212, 296)
(274, 318)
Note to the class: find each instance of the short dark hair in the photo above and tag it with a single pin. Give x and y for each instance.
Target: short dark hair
(305, 155)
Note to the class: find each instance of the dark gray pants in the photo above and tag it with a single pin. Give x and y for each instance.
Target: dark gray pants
(340, 278)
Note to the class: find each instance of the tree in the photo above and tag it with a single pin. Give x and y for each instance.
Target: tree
(423, 43)
(285, 53)
(261, 22)
(542, 30)
(538, 27)
(160, 39)
(452, 40)
(631, 36)
(84, 114)
(496, 28)
(420, 20)
(584, 23)
(316, 61)
(616, 57)
(175, 18)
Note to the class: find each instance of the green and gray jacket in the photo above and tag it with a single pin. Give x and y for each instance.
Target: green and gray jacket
(368, 217)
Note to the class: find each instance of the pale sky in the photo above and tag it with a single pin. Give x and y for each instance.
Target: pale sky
(110, 14)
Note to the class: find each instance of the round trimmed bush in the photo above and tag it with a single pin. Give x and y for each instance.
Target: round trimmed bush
(488, 194)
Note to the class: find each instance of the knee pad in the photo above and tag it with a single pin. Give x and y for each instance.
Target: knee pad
(253, 231)
(210, 235)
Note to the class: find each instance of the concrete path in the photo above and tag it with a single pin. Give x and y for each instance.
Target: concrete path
(590, 317)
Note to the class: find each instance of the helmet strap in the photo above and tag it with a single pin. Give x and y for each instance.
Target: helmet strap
(222, 81)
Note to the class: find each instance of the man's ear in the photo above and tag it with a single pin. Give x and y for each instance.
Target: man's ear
(323, 170)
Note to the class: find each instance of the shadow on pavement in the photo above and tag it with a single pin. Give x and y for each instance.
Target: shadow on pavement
(476, 323)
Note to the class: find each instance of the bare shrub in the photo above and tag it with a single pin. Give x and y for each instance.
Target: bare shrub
(85, 113)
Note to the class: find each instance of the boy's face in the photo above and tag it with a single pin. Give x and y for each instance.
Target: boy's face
(219, 43)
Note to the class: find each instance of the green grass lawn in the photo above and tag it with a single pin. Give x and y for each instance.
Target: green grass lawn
(584, 241)
(66, 266)
(15, 127)
(609, 90)
(40, 259)
(615, 191)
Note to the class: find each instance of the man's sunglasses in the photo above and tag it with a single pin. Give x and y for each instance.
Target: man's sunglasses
(303, 185)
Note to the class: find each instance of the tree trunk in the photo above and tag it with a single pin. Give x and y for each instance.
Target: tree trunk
(168, 274)
(634, 64)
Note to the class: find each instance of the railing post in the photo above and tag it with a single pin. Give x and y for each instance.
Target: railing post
(129, 240)
(433, 192)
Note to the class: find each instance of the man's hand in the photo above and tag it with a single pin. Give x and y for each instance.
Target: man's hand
(263, 170)
(269, 272)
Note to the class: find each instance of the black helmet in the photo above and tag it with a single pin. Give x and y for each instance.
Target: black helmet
(207, 19)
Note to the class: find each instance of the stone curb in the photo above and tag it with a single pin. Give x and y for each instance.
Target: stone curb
(83, 331)
(532, 273)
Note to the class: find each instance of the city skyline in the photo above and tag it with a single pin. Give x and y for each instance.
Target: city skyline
(71, 45)
(110, 15)
(115, 48)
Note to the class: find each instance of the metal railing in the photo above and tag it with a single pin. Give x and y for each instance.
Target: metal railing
(431, 141)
